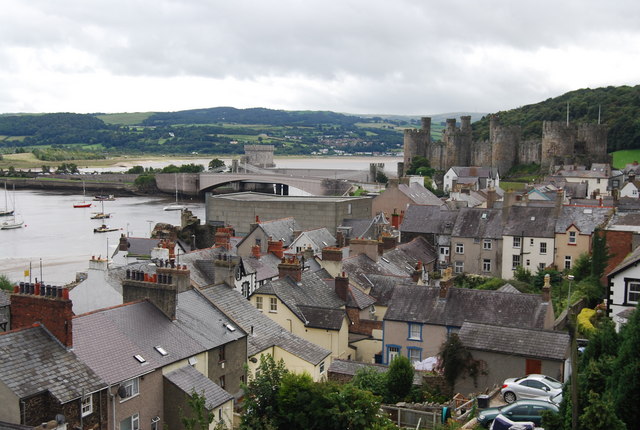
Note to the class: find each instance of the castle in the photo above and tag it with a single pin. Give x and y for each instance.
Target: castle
(561, 143)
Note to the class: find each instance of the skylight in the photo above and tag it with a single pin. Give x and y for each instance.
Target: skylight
(230, 327)
(161, 350)
(140, 358)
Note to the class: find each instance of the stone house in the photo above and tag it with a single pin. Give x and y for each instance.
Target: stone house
(263, 232)
(41, 379)
(311, 241)
(597, 177)
(398, 196)
(507, 352)
(420, 318)
(623, 293)
(435, 224)
(574, 232)
(472, 178)
(476, 242)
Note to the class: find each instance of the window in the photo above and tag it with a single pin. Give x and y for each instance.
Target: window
(349, 209)
(486, 265)
(459, 267)
(273, 304)
(543, 247)
(321, 367)
(130, 423)
(87, 406)
(531, 240)
(222, 382)
(476, 240)
(633, 292)
(258, 241)
(132, 388)
(259, 302)
(245, 289)
(517, 241)
(572, 238)
(459, 248)
(414, 354)
(487, 244)
(567, 262)
(155, 423)
(415, 331)
(221, 353)
(392, 352)
(444, 250)
(515, 262)
(541, 266)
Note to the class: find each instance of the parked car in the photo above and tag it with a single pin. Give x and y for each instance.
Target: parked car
(530, 387)
(522, 410)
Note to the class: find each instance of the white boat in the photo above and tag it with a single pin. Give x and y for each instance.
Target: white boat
(12, 221)
(175, 206)
(102, 214)
(6, 211)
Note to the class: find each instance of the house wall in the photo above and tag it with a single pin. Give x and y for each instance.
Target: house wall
(530, 256)
(396, 333)
(292, 362)
(629, 190)
(244, 248)
(176, 406)
(5, 315)
(474, 256)
(564, 248)
(43, 407)
(10, 410)
(366, 349)
(335, 341)
(499, 367)
(232, 368)
(202, 364)
(449, 177)
(391, 199)
(617, 291)
(148, 403)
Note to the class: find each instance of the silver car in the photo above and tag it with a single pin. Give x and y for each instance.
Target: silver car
(530, 387)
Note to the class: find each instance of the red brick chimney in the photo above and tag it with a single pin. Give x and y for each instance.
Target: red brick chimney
(290, 267)
(223, 237)
(255, 251)
(123, 245)
(342, 286)
(276, 247)
(395, 219)
(331, 253)
(417, 272)
(46, 304)
(388, 241)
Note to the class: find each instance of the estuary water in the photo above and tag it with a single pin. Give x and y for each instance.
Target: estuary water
(60, 238)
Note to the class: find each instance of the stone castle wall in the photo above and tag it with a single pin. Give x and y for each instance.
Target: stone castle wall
(258, 155)
(560, 144)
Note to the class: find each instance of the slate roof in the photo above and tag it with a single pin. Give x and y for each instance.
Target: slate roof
(355, 227)
(188, 379)
(476, 172)
(304, 298)
(382, 287)
(361, 267)
(201, 264)
(406, 255)
(508, 288)
(33, 361)
(280, 229)
(320, 237)
(420, 195)
(263, 332)
(265, 267)
(428, 219)
(478, 223)
(585, 219)
(624, 220)
(542, 344)
(422, 304)
(628, 204)
(530, 221)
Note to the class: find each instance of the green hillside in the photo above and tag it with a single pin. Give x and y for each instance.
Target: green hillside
(618, 107)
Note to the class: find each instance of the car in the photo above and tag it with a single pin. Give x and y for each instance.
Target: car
(521, 410)
(530, 387)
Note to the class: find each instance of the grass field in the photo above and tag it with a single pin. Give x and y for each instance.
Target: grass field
(512, 185)
(125, 118)
(624, 157)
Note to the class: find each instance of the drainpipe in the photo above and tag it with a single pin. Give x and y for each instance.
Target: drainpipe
(113, 407)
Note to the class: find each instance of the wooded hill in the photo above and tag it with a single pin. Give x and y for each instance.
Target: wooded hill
(619, 109)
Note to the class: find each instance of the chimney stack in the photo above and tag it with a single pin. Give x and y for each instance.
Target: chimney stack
(290, 267)
(45, 304)
(123, 245)
(223, 237)
(276, 247)
(369, 247)
(443, 288)
(416, 276)
(255, 251)
(491, 197)
(388, 241)
(342, 286)
(546, 289)
(395, 220)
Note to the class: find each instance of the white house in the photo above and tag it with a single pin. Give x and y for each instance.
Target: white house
(630, 189)
(474, 178)
(624, 288)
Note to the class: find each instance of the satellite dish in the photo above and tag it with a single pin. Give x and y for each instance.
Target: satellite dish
(122, 392)
(60, 419)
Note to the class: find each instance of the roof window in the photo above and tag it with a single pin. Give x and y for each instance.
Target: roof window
(140, 358)
(163, 352)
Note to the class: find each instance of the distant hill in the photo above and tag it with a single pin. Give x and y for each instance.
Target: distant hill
(619, 109)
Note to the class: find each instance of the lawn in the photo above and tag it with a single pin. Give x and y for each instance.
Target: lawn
(624, 157)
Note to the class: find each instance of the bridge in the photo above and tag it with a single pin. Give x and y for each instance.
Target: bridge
(198, 183)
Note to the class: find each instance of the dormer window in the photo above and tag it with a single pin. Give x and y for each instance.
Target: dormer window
(572, 237)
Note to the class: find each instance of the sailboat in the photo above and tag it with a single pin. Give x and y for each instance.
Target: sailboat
(12, 221)
(6, 211)
(84, 203)
(101, 214)
(175, 206)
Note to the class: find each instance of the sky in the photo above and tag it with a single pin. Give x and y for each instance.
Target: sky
(404, 57)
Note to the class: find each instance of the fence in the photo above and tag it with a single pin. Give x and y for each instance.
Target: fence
(413, 418)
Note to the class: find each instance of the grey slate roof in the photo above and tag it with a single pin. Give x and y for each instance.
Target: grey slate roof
(508, 288)
(478, 223)
(420, 195)
(321, 237)
(265, 267)
(406, 255)
(531, 221)
(201, 264)
(188, 379)
(585, 219)
(621, 220)
(422, 304)
(475, 172)
(428, 219)
(361, 267)
(280, 229)
(382, 287)
(263, 332)
(542, 344)
(356, 227)
(303, 299)
(33, 361)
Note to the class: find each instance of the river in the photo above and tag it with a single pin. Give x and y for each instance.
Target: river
(60, 238)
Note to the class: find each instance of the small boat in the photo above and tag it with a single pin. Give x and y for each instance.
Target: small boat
(84, 203)
(102, 214)
(104, 229)
(6, 211)
(104, 198)
(175, 206)
(11, 223)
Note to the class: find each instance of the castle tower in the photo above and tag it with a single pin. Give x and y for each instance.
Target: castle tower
(592, 141)
(416, 142)
(504, 143)
(458, 142)
(558, 144)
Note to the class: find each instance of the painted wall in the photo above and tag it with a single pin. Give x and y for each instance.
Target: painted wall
(10, 410)
(397, 333)
(475, 254)
(148, 403)
(564, 248)
(530, 258)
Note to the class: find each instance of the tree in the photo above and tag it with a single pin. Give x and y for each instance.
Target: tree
(199, 417)
(625, 381)
(599, 254)
(456, 360)
(137, 170)
(370, 379)
(260, 405)
(5, 283)
(302, 403)
(420, 166)
(145, 182)
(600, 414)
(399, 378)
(381, 178)
(216, 163)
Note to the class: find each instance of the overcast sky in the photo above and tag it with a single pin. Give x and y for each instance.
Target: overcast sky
(412, 57)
